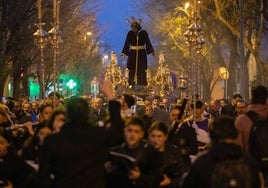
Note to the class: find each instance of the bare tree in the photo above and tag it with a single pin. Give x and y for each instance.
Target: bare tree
(220, 20)
(18, 52)
(15, 32)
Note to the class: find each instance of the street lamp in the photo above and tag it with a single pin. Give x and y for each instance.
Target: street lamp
(224, 75)
(55, 39)
(41, 39)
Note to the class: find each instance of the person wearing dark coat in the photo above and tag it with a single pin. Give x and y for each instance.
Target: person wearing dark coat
(162, 164)
(14, 171)
(137, 46)
(203, 172)
(31, 151)
(182, 134)
(231, 106)
(216, 110)
(118, 165)
(75, 156)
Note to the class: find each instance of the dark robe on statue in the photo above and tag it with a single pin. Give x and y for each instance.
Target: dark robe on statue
(137, 46)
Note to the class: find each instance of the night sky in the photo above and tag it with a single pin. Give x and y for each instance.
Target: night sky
(112, 21)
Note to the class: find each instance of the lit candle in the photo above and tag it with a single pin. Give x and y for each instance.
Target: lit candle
(126, 73)
(39, 7)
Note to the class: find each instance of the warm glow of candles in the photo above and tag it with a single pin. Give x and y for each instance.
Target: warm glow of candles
(126, 73)
(113, 70)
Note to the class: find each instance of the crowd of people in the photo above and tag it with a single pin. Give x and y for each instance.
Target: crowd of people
(125, 141)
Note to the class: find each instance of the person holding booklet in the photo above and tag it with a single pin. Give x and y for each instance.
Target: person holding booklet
(124, 158)
(162, 164)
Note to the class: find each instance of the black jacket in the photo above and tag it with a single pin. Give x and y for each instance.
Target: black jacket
(184, 136)
(155, 164)
(200, 174)
(76, 155)
(15, 170)
(118, 174)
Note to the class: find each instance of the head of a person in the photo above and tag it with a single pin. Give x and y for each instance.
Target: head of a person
(174, 114)
(223, 102)
(158, 133)
(43, 130)
(46, 110)
(241, 107)
(199, 105)
(236, 97)
(178, 102)
(85, 97)
(54, 97)
(149, 110)
(17, 107)
(135, 26)
(215, 105)
(127, 101)
(156, 101)
(96, 103)
(27, 107)
(134, 131)
(165, 102)
(23, 98)
(35, 107)
(57, 120)
(259, 95)
(223, 130)
(77, 111)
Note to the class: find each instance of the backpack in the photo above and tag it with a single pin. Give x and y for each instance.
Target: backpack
(258, 140)
(232, 173)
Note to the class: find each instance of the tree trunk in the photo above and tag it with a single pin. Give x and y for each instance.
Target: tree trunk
(206, 89)
(3, 78)
(20, 82)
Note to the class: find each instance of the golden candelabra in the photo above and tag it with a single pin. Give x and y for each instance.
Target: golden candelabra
(162, 81)
(195, 41)
(114, 73)
(160, 84)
